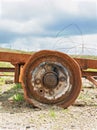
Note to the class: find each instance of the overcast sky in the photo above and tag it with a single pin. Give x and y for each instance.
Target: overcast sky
(48, 24)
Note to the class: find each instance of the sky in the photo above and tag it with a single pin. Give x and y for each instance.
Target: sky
(64, 25)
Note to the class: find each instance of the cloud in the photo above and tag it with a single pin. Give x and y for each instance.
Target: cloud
(84, 0)
(0, 9)
(28, 16)
(24, 10)
(34, 25)
(84, 45)
(7, 37)
(69, 45)
(88, 9)
(20, 27)
(32, 44)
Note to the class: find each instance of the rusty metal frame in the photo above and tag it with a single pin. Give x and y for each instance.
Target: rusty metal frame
(4, 69)
(88, 69)
(19, 60)
(15, 59)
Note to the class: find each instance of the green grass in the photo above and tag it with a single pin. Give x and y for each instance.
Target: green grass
(18, 97)
(15, 51)
(6, 64)
(17, 86)
(85, 56)
(52, 113)
(2, 81)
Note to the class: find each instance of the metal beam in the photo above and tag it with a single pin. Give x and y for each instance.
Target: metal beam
(4, 69)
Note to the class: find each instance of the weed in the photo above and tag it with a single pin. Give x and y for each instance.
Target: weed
(17, 86)
(18, 97)
(2, 81)
(65, 110)
(52, 113)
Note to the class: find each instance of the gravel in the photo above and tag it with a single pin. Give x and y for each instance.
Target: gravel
(82, 115)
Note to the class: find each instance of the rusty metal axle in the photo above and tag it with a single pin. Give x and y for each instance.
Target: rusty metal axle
(50, 77)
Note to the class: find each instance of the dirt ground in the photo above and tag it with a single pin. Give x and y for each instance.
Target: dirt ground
(82, 115)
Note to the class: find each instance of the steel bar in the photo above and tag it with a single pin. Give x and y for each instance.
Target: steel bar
(92, 79)
(14, 57)
(88, 73)
(86, 63)
(4, 69)
(17, 73)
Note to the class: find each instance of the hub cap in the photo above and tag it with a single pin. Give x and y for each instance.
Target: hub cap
(50, 80)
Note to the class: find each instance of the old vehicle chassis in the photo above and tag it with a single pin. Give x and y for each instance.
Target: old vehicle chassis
(49, 77)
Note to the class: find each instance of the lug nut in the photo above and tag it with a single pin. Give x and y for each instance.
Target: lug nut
(62, 79)
(37, 81)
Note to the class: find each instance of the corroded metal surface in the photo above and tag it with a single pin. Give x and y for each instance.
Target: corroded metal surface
(4, 69)
(14, 57)
(51, 77)
(88, 67)
(86, 63)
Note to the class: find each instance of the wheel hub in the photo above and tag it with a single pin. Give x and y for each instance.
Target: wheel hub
(50, 80)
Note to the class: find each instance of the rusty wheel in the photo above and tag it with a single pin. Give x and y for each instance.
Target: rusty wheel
(51, 77)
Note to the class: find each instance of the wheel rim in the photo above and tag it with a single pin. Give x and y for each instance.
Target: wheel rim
(50, 78)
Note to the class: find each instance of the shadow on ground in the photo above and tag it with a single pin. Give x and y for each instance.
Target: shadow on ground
(87, 97)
